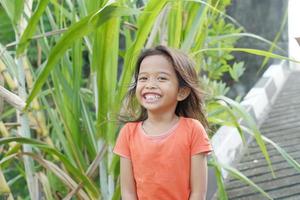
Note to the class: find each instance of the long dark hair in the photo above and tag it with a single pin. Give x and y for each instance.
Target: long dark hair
(192, 106)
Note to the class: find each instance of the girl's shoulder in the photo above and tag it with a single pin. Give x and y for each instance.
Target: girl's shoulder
(131, 124)
(191, 123)
(130, 127)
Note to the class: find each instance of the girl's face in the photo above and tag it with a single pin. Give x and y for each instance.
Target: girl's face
(157, 87)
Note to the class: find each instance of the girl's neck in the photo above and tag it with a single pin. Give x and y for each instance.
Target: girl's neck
(161, 118)
(159, 124)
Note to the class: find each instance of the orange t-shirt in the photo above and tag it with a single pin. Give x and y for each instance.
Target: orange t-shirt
(161, 163)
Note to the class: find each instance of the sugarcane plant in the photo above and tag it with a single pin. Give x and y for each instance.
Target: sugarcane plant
(66, 72)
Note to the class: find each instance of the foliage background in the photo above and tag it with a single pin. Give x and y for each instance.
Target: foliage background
(264, 18)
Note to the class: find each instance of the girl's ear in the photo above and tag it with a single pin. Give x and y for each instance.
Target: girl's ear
(183, 93)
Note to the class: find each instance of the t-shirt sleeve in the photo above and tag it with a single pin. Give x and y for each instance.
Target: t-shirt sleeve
(122, 144)
(200, 141)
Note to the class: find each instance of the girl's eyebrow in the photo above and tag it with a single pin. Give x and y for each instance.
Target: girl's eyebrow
(167, 73)
(161, 72)
(141, 73)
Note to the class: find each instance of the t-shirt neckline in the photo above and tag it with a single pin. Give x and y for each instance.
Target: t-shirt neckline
(160, 136)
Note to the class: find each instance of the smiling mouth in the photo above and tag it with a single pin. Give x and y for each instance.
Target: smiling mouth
(150, 98)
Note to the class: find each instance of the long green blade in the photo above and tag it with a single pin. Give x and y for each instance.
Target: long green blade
(247, 50)
(251, 123)
(238, 175)
(31, 27)
(43, 146)
(75, 32)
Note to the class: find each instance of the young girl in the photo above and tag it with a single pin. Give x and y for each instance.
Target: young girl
(163, 150)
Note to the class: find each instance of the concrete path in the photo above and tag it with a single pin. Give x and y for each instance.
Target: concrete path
(282, 125)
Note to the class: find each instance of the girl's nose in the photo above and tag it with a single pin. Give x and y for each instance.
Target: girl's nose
(148, 86)
(151, 84)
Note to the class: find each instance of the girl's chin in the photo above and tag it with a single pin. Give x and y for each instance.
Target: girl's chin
(151, 107)
(150, 102)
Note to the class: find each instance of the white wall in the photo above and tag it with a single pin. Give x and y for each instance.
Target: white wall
(294, 31)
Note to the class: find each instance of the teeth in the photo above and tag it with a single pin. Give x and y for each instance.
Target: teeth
(151, 97)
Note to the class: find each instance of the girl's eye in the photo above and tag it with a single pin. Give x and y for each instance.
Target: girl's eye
(161, 78)
(142, 78)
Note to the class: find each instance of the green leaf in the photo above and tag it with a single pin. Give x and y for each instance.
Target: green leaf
(278, 34)
(247, 50)
(14, 10)
(145, 23)
(75, 32)
(251, 123)
(215, 10)
(283, 153)
(222, 194)
(235, 120)
(175, 24)
(215, 88)
(19, 6)
(117, 194)
(237, 70)
(6, 28)
(45, 185)
(240, 35)
(31, 27)
(77, 174)
(106, 67)
(197, 25)
(218, 72)
(238, 175)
